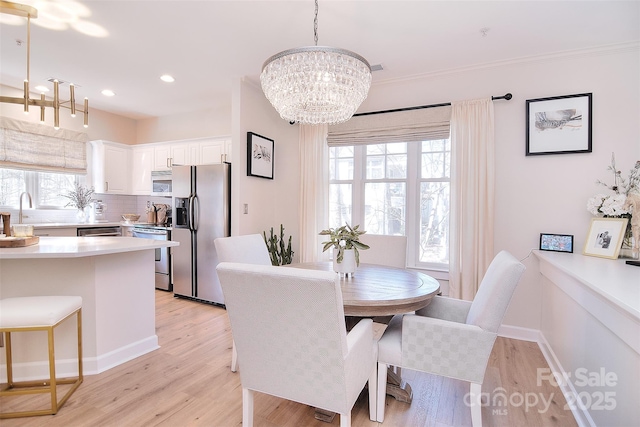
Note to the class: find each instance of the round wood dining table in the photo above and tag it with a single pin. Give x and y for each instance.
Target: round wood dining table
(377, 290)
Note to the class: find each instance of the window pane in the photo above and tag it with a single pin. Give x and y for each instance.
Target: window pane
(434, 222)
(12, 184)
(397, 147)
(385, 206)
(435, 159)
(341, 163)
(340, 205)
(51, 186)
(397, 166)
(375, 167)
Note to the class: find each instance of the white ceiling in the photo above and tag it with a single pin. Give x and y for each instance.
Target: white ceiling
(208, 45)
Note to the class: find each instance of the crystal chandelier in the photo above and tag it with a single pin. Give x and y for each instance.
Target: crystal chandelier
(31, 12)
(316, 84)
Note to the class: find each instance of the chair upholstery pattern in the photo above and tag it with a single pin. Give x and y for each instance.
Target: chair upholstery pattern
(289, 329)
(250, 249)
(450, 337)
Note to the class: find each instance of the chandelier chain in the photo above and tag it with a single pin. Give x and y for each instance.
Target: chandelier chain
(315, 25)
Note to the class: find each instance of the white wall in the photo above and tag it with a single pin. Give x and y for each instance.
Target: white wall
(541, 193)
(270, 202)
(196, 124)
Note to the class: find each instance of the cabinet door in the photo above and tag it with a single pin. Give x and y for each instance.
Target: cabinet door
(116, 170)
(142, 160)
(227, 150)
(51, 231)
(211, 152)
(179, 154)
(162, 158)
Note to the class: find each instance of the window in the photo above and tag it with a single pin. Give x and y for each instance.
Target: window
(396, 189)
(45, 187)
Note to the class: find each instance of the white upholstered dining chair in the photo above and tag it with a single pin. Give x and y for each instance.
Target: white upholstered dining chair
(249, 249)
(290, 333)
(384, 250)
(451, 337)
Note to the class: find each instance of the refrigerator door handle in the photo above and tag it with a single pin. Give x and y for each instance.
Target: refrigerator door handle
(195, 210)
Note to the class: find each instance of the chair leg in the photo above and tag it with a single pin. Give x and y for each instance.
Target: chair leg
(475, 391)
(373, 394)
(234, 358)
(52, 372)
(345, 419)
(247, 407)
(382, 391)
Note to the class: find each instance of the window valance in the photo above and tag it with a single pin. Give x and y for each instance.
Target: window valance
(33, 146)
(400, 126)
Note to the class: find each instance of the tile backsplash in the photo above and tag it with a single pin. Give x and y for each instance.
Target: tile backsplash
(116, 205)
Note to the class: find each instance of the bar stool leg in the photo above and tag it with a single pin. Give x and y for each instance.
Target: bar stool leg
(52, 372)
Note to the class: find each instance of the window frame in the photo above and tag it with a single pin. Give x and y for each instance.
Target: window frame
(413, 181)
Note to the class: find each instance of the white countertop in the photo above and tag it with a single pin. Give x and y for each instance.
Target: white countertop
(613, 279)
(76, 247)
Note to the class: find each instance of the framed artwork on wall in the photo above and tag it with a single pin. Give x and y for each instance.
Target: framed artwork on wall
(559, 125)
(259, 156)
(605, 237)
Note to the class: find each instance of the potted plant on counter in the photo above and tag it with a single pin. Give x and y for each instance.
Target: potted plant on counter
(345, 242)
(80, 198)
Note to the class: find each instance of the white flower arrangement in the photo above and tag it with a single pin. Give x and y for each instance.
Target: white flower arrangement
(607, 205)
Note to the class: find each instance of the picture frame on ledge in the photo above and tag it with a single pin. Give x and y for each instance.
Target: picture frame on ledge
(559, 125)
(556, 242)
(259, 156)
(604, 238)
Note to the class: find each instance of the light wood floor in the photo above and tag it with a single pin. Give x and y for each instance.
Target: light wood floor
(187, 382)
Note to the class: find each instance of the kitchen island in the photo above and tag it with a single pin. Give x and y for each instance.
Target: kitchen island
(115, 278)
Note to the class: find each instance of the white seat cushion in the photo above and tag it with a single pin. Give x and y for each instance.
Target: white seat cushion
(36, 311)
(389, 352)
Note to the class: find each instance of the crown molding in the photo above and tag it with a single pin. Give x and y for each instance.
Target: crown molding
(610, 49)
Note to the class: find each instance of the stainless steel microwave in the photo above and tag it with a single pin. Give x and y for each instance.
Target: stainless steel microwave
(161, 183)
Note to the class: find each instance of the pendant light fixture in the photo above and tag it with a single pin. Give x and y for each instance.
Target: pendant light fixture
(316, 84)
(31, 12)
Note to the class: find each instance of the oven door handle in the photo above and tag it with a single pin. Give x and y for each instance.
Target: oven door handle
(101, 234)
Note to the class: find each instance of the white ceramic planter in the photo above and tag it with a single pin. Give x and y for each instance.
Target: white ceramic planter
(348, 264)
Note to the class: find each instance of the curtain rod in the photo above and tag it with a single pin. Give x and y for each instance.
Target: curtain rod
(507, 96)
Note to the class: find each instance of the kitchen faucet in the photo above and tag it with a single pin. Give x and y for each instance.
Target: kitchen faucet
(30, 205)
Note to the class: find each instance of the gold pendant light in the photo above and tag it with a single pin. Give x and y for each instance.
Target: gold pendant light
(31, 12)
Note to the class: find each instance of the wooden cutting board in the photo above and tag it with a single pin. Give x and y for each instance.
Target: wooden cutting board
(18, 242)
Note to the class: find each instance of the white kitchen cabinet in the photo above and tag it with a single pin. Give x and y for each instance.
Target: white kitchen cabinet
(55, 231)
(167, 155)
(215, 151)
(142, 162)
(111, 167)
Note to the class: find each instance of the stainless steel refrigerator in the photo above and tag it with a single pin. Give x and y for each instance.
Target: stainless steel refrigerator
(201, 214)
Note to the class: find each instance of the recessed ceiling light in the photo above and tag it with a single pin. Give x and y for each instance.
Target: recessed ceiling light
(167, 78)
(42, 89)
(108, 92)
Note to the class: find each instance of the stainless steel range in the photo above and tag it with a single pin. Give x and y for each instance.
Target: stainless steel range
(164, 279)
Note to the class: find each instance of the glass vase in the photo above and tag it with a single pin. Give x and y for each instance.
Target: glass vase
(81, 216)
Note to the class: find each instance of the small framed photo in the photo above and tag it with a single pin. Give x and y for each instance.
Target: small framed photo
(605, 237)
(556, 242)
(559, 125)
(259, 156)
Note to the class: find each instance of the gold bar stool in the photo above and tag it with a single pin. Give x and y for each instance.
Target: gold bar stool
(39, 314)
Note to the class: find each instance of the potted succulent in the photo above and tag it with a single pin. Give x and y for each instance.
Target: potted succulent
(345, 242)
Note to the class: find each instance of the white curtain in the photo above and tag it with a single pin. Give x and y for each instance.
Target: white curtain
(314, 189)
(32, 146)
(472, 195)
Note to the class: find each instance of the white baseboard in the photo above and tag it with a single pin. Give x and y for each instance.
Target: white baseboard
(91, 365)
(519, 333)
(582, 416)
